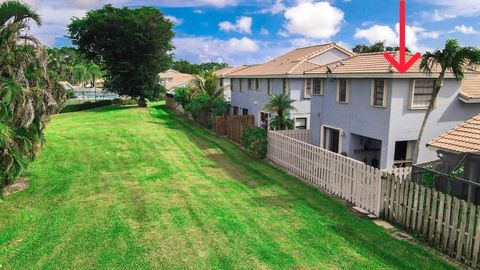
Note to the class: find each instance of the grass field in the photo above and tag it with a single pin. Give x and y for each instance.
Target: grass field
(131, 188)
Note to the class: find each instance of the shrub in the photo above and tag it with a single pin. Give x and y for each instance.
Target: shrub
(182, 96)
(124, 101)
(85, 106)
(255, 141)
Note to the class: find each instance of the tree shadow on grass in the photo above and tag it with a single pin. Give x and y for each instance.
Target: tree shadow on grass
(361, 234)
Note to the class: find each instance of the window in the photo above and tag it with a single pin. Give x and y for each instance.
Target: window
(331, 139)
(221, 82)
(422, 94)
(404, 153)
(250, 84)
(245, 111)
(235, 110)
(240, 85)
(301, 123)
(269, 86)
(342, 91)
(257, 84)
(379, 93)
(284, 86)
(314, 86)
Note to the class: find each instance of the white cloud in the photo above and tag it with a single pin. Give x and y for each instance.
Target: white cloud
(468, 30)
(176, 21)
(449, 9)
(264, 31)
(413, 34)
(242, 25)
(206, 49)
(198, 11)
(277, 7)
(314, 20)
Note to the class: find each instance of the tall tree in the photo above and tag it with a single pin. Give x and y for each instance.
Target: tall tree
(453, 58)
(280, 104)
(377, 47)
(28, 94)
(133, 44)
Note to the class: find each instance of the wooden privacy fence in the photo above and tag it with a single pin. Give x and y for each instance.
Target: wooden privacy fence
(344, 177)
(303, 135)
(446, 222)
(232, 126)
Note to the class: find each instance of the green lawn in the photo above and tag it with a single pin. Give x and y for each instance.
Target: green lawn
(131, 188)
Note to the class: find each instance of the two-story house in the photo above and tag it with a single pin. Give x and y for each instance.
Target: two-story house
(225, 82)
(366, 110)
(252, 86)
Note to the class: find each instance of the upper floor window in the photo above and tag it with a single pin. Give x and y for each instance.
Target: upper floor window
(342, 91)
(250, 84)
(285, 86)
(269, 86)
(313, 86)
(221, 82)
(422, 94)
(379, 93)
(257, 84)
(240, 85)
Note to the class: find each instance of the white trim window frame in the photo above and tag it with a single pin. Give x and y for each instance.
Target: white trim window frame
(343, 85)
(421, 93)
(257, 84)
(323, 129)
(306, 122)
(317, 87)
(379, 93)
(250, 85)
(308, 88)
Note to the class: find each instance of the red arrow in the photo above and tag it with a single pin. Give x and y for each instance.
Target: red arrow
(402, 67)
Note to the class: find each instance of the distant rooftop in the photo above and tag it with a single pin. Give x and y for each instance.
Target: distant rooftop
(464, 138)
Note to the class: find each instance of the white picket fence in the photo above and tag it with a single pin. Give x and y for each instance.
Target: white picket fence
(303, 135)
(404, 173)
(349, 179)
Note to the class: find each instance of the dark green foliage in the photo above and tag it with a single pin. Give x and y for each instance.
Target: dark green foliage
(182, 96)
(29, 93)
(131, 43)
(255, 141)
(124, 101)
(187, 67)
(377, 47)
(85, 106)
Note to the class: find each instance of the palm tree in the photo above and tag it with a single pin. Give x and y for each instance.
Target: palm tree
(452, 58)
(94, 72)
(208, 83)
(28, 94)
(280, 104)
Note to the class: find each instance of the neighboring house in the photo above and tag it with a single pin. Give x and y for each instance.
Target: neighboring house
(225, 82)
(173, 79)
(252, 86)
(366, 110)
(459, 153)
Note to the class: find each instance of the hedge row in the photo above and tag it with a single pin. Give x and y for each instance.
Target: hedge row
(85, 106)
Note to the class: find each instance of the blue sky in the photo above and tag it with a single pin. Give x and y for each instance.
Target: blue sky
(246, 32)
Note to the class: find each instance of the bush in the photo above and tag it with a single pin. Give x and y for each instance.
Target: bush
(124, 101)
(255, 141)
(181, 96)
(85, 106)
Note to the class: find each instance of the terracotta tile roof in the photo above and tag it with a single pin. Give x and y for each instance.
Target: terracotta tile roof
(470, 91)
(225, 71)
(367, 63)
(175, 79)
(465, 138)
(293, 62)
